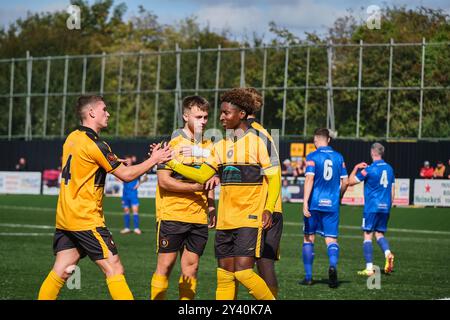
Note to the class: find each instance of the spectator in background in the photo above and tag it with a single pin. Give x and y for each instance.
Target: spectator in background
(286, 195)
(447, 170)
(439, 171)
(426, 172)
(286, 168)
(299, 167)
(22, 164)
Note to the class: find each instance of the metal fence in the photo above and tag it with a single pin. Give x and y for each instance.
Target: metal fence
(31, 130)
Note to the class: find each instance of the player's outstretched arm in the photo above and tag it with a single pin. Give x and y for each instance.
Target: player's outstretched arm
(352, 180)
(159, 155)
(200, 175)
(169, 183)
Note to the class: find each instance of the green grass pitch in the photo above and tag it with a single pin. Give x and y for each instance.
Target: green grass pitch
(420, 239)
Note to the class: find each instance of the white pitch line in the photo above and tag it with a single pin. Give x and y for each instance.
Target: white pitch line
(114, 213)
(286, 223)
(285, 234)
(24, 234)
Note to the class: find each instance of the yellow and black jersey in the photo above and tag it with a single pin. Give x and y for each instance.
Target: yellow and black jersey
(240, 163)
(184, 207)
(86, 160)
(273, 153)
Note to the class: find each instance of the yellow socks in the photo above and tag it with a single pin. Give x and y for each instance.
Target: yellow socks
(274, 291)
(50, 287)
(159, 285)
(187, 288)
(118, 288)
(255, 284)
(226, 287)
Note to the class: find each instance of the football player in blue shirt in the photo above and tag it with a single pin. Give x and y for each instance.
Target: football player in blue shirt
(379, 194)
(130, 200)
(325, 184)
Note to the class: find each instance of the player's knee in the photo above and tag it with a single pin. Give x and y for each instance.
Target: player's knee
(190, 270)
(118, 268)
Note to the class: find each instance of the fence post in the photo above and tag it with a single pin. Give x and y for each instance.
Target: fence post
(28, 101)
(264, 84)
(305, 125)
(63, 112)
(358, 111)
(138, 95)
(158, 72)
(286, 65)
(330, 104)
(388, 117)
(216, 96)
(47, 84)
(178, 112)
(83, 79)
(119, 93)
(197, 73)
(242, 78)
(102, 75)
(422, 76)
(11, 99)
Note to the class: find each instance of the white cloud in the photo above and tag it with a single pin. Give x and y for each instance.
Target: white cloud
(298, 16)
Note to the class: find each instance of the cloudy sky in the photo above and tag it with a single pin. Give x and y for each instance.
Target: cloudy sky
(239, 16)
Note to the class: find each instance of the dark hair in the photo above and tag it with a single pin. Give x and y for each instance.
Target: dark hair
(241, 98)
(84, 101)
(322, 132)
(257, 98)
(195, 101)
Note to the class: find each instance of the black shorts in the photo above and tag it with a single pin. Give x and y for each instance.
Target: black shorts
(173, 236)
(240, 242)
(94, 243)
(272, 238)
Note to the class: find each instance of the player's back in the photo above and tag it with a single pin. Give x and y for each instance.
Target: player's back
(328, 167)
(378, 186)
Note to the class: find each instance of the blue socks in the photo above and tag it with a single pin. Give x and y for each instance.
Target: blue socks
(308, 259)
(126, 219)
(333, 254)
(384, 245)
(368, 252)
(135, 221)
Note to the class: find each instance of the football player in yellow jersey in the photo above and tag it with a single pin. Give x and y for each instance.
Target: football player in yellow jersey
(80, 223)
(246, 202)
(272, 237)
(183, 206)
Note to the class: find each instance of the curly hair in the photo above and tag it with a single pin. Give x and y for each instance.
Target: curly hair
(257, 98)
(241, 98)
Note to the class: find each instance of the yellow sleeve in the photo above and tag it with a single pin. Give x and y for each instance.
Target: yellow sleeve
(200, 175)
(274, 179)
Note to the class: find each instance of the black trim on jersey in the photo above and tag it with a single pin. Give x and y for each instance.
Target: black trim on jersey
(100, 177)
(103, 146)
(244, 174)
(267, 140)
(90, 132)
